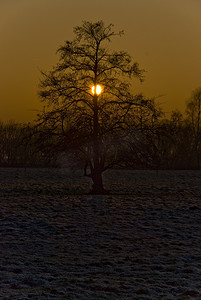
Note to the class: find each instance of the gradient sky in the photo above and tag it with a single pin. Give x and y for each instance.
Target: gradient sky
(164, 36)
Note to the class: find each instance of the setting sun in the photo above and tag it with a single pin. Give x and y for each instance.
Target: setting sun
(97, 91)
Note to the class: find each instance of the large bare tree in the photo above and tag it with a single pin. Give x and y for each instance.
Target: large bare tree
(89, 104)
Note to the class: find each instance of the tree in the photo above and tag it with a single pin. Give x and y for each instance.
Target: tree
(173, 142)
(93, 122)
(10, 149)
(18, 147)
(193, 111)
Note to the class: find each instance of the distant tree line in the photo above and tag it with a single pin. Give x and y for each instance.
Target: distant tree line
(155, 142)
(18, 147)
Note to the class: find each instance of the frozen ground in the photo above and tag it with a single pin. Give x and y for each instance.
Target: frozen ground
(141, 241)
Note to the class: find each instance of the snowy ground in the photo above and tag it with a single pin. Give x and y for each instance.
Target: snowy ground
(141, 241)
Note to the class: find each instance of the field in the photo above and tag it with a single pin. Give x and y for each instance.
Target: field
(140, 241)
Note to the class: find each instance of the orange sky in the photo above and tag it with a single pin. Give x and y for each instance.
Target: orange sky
(164, 36)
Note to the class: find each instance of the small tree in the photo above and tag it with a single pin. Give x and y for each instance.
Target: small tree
(193, 111)
(90, 107)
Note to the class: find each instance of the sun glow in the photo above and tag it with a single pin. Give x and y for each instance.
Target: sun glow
(96, 90)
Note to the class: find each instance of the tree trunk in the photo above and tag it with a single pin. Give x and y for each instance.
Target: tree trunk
(97, 187)
(96, 170)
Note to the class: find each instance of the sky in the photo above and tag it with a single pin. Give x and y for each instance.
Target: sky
(163, 36)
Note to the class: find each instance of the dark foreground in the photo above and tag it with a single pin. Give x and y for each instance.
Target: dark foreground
(143, 241)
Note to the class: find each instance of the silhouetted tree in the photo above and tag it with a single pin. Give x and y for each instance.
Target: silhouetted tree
(141, 148)
(96, 125)
(19, 147)
(193, 111)
(174, 142)
(10, 136)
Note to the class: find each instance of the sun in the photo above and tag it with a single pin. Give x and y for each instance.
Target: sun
(96, 91)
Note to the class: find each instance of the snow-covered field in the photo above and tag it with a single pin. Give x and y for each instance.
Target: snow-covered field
(141, 241)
